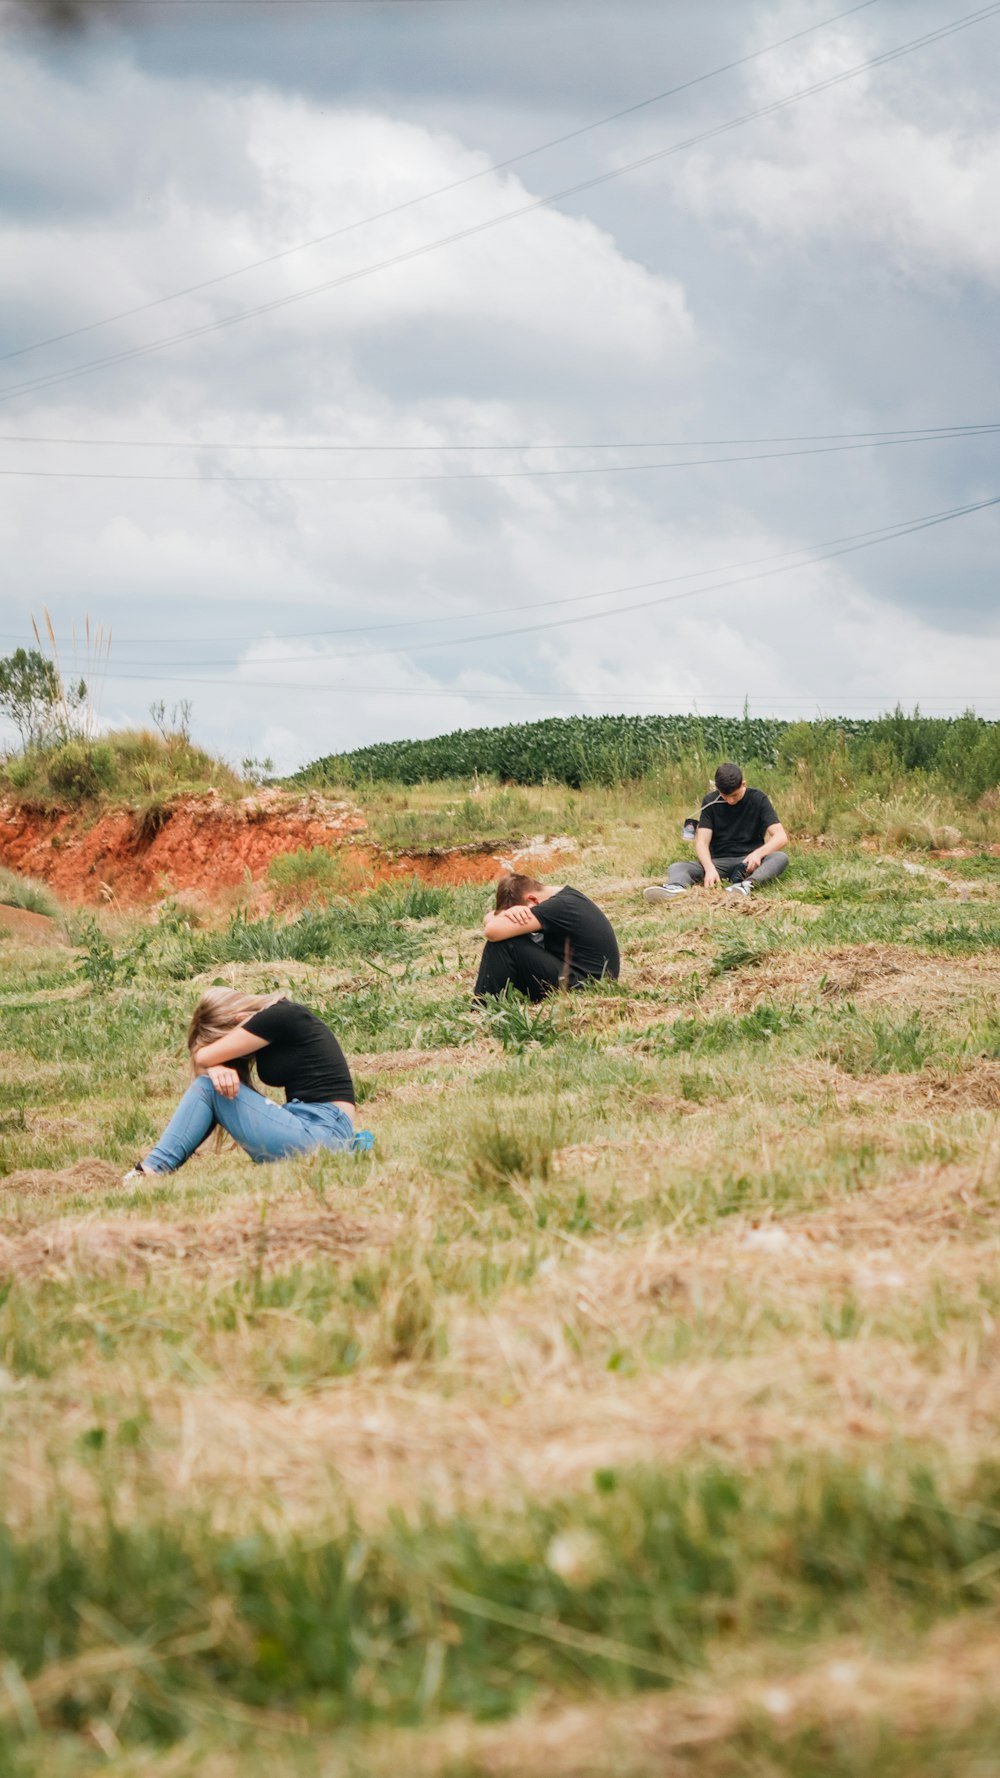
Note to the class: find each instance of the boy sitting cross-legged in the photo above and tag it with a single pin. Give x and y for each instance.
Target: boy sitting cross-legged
(739, 838)
(539, 938)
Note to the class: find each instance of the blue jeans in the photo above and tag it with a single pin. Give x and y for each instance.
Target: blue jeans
(267, 1131)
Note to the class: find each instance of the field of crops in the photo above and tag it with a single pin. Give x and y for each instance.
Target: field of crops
(579, 750)
(633, 1409)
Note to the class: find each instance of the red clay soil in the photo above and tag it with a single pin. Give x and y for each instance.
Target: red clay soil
(198, 843)
(34, 929)
(209, 846)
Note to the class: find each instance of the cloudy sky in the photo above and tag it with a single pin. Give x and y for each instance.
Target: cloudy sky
(261, 226)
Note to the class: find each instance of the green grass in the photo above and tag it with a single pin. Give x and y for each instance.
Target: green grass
(145, 769)
(18, 891)
(623, 1588)
(619, 1383)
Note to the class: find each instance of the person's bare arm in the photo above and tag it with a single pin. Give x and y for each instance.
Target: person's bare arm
(510, 924)
(212, 1059)
(703, 853)
(775, 839)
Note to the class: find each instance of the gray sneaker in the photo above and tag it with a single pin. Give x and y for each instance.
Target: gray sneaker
(743, 888)
(664, 892)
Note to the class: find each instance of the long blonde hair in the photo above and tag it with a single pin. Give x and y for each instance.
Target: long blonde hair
(220, 1010)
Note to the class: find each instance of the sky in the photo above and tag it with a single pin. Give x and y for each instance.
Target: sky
(653, 445)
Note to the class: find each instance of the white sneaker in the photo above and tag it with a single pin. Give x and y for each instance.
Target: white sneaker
(135, 1173)
(743, 888)
(664, 892)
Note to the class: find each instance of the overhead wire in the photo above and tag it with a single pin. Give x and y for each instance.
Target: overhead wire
(807, 552)
(500, 166)
(841, 547)
(405, 257)
(474, 694)
(970, 428)
(469, 475)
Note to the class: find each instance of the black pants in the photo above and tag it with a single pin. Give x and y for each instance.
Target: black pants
(522, 964)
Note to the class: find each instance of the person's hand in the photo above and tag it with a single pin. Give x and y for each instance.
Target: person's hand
(520, 916)
(711, 876)
(225, 1081)
(753, 860)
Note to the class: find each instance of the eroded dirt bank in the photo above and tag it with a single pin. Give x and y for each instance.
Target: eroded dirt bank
(196, 843)
(208, 845)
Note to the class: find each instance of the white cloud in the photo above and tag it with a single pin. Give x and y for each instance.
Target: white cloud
(866, 165)
(125, 184)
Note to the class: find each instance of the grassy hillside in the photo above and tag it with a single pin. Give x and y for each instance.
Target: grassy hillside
(133, 766)
(633, 1409)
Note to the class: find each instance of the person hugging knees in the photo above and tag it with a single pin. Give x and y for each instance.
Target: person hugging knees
(539, 938)
(290, 1048)
(738, 837)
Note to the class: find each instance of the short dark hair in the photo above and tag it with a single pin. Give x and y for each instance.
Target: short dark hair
(512, 889)
(728, 777)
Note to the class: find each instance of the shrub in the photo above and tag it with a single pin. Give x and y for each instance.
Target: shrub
(79, 770)
(969, 760)
(133, 765)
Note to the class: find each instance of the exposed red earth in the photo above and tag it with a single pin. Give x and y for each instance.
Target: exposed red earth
(34, 929)
(207, 845)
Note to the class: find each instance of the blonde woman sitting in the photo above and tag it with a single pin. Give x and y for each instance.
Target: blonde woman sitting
(291, 1048)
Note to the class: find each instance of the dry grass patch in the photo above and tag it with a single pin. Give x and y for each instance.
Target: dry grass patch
(87, 1178)
(972, 1086)
(257, 1234)
(521, 1420)
(869, 974)
(925, 1208)
(944, 1687)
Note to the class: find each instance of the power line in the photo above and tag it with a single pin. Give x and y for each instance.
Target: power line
(844, 548)
(132, 353)
(970, 429)
(474, 695)
(439, 191)
(469, 475)
(925, 524)
(808, 553)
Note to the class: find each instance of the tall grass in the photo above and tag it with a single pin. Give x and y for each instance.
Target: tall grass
(621, 1589)
(17, 891)
(134, 766)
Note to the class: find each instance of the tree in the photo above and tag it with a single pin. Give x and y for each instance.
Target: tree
(29, 693)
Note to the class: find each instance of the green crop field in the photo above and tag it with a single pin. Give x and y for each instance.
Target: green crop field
(578, 750)
(633, 1409)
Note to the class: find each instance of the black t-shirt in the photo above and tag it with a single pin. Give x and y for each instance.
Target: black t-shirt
(593, 947)
(302, 1054)
(737, 828)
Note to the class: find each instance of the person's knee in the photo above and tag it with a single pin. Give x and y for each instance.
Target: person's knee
(203, 1087)
(779, 862)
